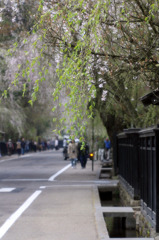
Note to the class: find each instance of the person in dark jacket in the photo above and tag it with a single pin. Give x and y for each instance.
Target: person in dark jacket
(23, 145)
(83, 151)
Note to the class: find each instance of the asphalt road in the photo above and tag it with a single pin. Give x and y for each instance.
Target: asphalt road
(38, 198)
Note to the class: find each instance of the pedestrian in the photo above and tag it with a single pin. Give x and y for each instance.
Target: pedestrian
(35, 146)
(56, 143)
(72, 152)
(65, 148)
(23, 145)
(27, 146)
(32, 145)
(10, 147)
(48, 144)
(52, 144)
(19, 147)
(83, 151)
(64, 142)
(40, 145)
(43, 145)
(101, 147)
(108, 147)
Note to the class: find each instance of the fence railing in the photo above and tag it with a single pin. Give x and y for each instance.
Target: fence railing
(137, 163)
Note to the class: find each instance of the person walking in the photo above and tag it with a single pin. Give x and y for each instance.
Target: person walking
(65, 148)
(83, 153)
(48, 144)
(108, 147)
(10, 147)
(43, 145)
(39, 145)
(35, 146)
(27, 146)
(23, 145)
(19, 147)
(72, 152)
(52, 144)
(100, 146)
(56, 143)
(64, 142)
(32, 145)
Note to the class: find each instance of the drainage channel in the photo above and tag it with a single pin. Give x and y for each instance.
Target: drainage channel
(117, 228)
(119, 220)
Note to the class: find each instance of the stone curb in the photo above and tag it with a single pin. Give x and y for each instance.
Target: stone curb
(100, 223)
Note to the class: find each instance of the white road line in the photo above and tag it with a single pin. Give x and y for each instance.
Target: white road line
(10, 221)
(6, 189)
(22, 180)
(66, 185)
(59, 172)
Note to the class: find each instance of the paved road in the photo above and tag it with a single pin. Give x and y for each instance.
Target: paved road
(42, 198)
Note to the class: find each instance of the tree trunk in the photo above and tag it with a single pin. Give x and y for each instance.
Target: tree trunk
(112, 124)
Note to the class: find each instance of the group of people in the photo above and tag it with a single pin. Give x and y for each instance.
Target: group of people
(76, 152)
(21, 146)
(24, 146)
(45, 145)
(79, 152)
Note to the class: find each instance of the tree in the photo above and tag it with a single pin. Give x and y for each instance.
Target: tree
(17, 117)
(104, 48)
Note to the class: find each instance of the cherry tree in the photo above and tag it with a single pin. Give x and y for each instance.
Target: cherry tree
(107, 55)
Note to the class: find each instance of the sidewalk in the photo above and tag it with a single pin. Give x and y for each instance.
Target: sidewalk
(15, 156)
(75, 213)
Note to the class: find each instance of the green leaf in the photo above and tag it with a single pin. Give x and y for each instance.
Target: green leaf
(31, 102)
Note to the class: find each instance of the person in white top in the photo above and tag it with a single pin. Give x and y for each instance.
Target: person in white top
(56, 144)
(64, 142)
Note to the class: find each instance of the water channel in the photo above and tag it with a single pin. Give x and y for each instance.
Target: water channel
(115, 225)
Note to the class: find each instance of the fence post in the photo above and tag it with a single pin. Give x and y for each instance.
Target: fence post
(157, 178)
(133, 157)
(115, 153)
(136, 165)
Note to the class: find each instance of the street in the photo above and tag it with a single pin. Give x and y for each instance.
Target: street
(42, 197)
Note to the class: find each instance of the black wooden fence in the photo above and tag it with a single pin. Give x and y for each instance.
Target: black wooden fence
(137, 162)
